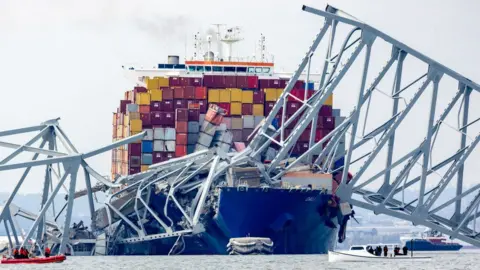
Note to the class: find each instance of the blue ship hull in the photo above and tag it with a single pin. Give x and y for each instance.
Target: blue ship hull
(425, 245)
(298, 222)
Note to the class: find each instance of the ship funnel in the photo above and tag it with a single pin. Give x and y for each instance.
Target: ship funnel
(173, 59)
(209, 56)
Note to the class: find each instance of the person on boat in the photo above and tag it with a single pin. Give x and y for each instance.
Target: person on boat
(378, 251)
(385, 251)
(396, 251)
(47, 252)
(370, 249)
(405, 250)
(23, 253)
(15, 253)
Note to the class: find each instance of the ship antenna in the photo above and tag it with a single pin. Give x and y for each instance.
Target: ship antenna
(262, 47)
(219, 42)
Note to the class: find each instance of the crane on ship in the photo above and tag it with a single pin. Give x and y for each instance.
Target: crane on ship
(421, 135)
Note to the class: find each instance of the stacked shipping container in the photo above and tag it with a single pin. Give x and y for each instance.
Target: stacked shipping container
(185, 114)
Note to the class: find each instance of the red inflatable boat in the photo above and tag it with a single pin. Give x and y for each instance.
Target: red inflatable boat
(51, 259)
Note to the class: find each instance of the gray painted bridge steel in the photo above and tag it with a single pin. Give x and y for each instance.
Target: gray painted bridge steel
(375, 138)
(53, 160)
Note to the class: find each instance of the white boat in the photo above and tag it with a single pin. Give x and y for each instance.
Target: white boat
(360, 254)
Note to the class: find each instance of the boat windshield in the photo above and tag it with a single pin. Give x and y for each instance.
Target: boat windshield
(356, 248)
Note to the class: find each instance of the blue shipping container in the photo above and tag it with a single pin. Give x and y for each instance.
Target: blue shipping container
(147, 159)
(147, 146)
(310, 86)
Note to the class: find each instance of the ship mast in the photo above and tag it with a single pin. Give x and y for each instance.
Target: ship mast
(231, 36)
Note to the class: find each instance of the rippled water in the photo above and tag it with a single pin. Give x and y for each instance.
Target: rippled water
(454, 260)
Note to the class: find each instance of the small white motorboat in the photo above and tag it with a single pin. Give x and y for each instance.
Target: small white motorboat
(360, 254)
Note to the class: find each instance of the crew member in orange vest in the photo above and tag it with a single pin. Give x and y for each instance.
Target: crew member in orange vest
(15, 253)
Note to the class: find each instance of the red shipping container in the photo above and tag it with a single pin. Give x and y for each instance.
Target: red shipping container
(133, 171)
(180, 104)
(155, 106)
(299, 84)
(203, 106)
(219, 81)
(275, 83)
(268, 107)
(264, 83)
(167, 93)
(305, 136)
(139, 89)
(135, 149)
(181, 115)
(230, 81)
(189, 92)
(181, 127)
(181, 138)
(328, 122)
(180, 150)
(196, 81)
(145, 117)
(179, 92)
(226, 107)
(167, 119)
(293, 107)
(200, 93)
(237, 135)
(242, 82)
(168, 155)
(193, 115)
(258, 97)
(298, 93)
(184, 81)
(156, 118)
(252, 82)
(209, 81)
(167, 106)
(157, 157)
(144, 108)
(325, 110)
(123, 105)
(174, 81)
(319, 134)
(245, 133)
(247, 109)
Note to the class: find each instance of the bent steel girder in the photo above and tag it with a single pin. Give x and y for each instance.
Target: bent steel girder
(52, 134)
(426, 98)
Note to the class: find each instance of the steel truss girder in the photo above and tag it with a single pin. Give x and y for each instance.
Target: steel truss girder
(418, 211)
(49, 132)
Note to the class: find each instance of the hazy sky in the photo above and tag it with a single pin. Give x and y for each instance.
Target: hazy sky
(63, 58)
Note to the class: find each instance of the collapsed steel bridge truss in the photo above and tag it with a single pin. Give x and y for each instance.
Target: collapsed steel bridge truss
(426, 99)
(48, 133)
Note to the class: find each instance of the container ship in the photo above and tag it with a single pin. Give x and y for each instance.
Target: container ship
(216, 100)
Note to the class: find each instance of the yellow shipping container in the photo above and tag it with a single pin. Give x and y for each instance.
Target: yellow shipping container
(162, 82)
(144, 168)
(247, 97)
(279, 92)
(213, 95)
(152, 83)
(135, 125)
(270, 94)
(235, 95)
(258, 109)
(225, 95)
(329, 100)
(120, 131)
(236, 108)
(156, 95)
(126, 131)
(143, 99)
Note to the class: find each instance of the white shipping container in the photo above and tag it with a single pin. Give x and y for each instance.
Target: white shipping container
(205, 139)
(202, 118)
(199, 147)
(159, 134)
(193, 127)
(158, 146)
(169, 146)
(148, 135)
(258, 120)
(208, 128)
(248, 121)
(170, 134)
